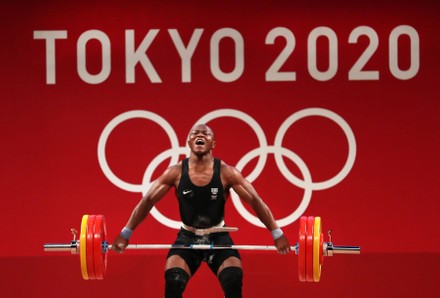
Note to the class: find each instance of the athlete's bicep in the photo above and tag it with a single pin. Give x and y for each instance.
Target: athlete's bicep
(239, 184)
(163, 184)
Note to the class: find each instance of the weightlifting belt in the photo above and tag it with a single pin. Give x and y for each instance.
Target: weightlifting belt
(215, 229)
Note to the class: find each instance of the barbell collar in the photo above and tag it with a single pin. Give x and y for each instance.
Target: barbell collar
(330, 249)
(72, 247)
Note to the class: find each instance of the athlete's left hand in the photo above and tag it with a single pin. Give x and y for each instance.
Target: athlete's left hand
(282, 245)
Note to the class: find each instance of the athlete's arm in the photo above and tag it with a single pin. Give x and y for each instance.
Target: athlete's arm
(247, 193)
(156, 192)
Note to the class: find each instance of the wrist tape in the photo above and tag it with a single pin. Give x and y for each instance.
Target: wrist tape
(126, 233)
(277, 233)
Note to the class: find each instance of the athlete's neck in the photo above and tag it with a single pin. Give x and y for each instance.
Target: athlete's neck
(201, 160)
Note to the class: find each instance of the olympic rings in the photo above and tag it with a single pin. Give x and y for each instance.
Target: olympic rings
(262, 151)
(253, 124)
(115, 122)
(307, 191)
(351, 148)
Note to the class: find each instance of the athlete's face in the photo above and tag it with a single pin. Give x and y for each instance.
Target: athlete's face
(201, 139)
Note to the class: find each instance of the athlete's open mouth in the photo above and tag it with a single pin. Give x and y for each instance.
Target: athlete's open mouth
(200, 142)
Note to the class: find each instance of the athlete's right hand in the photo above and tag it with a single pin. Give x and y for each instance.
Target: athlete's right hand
(119, 244)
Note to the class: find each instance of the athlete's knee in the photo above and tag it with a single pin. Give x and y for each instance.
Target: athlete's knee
(175, 282)
(231, 279)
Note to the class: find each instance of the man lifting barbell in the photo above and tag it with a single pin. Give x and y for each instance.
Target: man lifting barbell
(202, 184)
(207, 240)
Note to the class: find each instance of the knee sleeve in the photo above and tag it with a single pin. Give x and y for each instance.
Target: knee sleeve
(175, 282)
(231, 279)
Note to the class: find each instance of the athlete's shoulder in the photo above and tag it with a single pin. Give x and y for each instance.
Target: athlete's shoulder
(176, 168)
(172, 173)
(229, 173)
(225, 166)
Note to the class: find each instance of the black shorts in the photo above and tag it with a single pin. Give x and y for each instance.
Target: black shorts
(194, 257)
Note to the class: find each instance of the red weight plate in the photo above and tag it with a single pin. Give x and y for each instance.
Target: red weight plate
(97, 247)
(100, 257)
(309, 248)
(89, 247)
(302, 248)
(104, 238)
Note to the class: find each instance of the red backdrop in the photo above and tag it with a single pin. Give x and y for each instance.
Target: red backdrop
(344, 93)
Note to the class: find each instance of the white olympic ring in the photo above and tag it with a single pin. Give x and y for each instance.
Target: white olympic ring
(262, 151)
(115, 122)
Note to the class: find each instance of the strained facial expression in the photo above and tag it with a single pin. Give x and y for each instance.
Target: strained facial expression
(201, 138)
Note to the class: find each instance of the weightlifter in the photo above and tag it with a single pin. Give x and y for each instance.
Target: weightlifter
(202, 185)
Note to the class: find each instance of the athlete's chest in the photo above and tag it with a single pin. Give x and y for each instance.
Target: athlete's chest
(200, 178)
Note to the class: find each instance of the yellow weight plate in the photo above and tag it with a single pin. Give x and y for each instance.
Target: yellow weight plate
(82, 247)
(317, 249)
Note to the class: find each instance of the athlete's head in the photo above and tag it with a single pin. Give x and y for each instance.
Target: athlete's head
(201, 139)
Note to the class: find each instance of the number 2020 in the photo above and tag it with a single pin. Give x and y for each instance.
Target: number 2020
(357, 71)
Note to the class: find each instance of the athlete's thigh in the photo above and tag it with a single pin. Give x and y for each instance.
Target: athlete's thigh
(229, 262)
(176, 261)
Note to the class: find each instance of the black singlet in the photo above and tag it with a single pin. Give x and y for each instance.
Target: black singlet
(201, 206)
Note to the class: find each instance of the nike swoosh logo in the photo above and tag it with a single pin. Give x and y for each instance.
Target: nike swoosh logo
(185, 192)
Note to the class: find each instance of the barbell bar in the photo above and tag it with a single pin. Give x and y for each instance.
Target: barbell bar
(92, 247)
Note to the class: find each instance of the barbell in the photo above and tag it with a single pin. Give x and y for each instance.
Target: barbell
(92, 247)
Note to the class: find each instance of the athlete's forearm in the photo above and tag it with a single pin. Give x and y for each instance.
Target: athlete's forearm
(139, 213)
(264, 214)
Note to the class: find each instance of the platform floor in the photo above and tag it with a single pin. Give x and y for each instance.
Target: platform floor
(266, 275)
